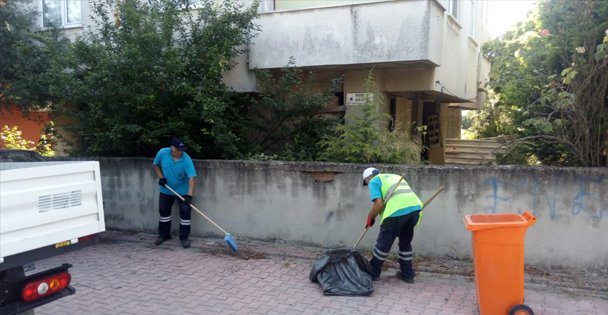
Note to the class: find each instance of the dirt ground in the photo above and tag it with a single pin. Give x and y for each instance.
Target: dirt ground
(594, 281)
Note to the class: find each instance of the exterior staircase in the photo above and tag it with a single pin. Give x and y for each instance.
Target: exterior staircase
(473, 152)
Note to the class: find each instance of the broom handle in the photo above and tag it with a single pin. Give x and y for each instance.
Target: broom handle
(360, 237)
(440, 189)
(193, 207)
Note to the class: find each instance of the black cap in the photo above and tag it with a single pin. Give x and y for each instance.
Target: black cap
(179, 144)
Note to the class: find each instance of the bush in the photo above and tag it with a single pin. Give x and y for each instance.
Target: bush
(12, 140)
(283, 119)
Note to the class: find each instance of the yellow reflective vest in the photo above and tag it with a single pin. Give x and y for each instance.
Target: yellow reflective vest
(402, 200)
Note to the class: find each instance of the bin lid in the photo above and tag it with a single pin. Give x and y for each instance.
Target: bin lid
(474, 222)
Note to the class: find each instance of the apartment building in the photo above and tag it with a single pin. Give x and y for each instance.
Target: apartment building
(425, 54)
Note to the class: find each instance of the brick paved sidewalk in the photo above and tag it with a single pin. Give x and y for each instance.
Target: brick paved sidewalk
(127, 274)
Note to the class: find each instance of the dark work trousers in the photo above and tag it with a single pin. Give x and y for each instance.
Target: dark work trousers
(165, 202)
(391, 228)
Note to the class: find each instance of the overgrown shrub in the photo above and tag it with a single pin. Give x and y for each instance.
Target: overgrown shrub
(282, 121)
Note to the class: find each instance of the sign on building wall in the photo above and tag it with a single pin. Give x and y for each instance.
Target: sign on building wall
(359, 98)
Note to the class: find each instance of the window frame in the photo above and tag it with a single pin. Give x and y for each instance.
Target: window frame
(473, 21)
(453, 8)
(64, 14)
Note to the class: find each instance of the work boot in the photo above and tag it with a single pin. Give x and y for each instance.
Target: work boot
(162, 239)
(400, 276)
(185, 243)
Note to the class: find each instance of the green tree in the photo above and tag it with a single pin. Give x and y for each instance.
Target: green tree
(576, 98)
(467, 120)
(283, 119)
(549, 76)
(151, 70)
(365, 138)
(26, 56)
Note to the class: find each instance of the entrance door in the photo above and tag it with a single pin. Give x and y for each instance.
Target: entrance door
(433, 151)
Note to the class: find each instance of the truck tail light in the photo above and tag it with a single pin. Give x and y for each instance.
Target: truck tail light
(86, 238)
(42, 287)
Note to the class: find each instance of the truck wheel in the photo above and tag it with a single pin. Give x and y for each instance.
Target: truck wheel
(521, 309)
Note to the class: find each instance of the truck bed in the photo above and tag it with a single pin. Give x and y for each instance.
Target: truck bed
(46, 204)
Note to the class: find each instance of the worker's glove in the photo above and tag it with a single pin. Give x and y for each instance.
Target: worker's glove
(162, 181)
(370, 221)
(187, 200)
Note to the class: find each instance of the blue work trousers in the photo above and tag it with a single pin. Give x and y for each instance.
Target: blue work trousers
(165, 203)
(401, 227)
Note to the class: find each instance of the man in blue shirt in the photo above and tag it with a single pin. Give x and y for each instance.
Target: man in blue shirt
(399, 209)
(174, 168)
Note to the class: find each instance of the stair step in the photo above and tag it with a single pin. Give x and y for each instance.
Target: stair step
(471, 157)
(473, 145)
(452, 149)
(467, 162)
(473, 152)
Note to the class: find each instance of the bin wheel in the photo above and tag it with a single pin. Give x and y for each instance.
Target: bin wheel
(521, 309)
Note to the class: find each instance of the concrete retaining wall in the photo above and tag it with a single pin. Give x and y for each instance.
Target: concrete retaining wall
(324, 203)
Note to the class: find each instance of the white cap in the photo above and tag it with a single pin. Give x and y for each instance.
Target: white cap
(368, 172)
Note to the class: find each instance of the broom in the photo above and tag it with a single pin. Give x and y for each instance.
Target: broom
(227, 238)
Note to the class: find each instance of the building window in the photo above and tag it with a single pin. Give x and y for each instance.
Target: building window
(453, 8)
(61, 13)
(473, 21)
(266, 6)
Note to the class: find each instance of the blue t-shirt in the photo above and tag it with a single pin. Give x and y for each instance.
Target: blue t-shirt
(177, 172)
(375, 191)
(374, 188)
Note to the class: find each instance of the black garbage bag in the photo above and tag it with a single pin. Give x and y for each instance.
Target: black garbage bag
(343, 272)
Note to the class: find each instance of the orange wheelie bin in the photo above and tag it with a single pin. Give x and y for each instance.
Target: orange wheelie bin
(498, 255)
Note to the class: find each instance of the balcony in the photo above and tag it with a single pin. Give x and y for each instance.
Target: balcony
(391, 33)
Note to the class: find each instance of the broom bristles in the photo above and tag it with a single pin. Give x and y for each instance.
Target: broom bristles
(231, 242)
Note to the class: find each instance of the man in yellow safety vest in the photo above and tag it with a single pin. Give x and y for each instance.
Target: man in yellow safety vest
(399, 215)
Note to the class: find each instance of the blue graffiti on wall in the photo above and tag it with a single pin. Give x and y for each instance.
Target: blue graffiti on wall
(494, 196)
(582, 194)
(550, 195)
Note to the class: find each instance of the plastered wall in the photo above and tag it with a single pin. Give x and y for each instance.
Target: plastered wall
(325, 204)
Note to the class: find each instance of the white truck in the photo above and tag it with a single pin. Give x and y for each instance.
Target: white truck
(46, 208)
